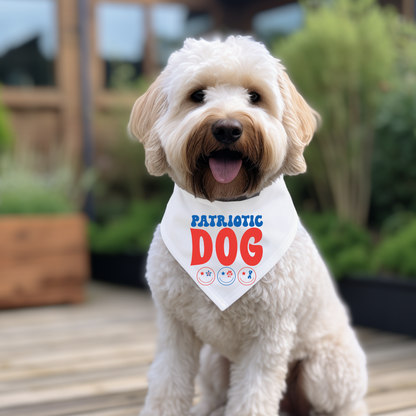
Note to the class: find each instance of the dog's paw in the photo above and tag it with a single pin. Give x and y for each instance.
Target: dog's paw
(359, 410)
(201, 409)
(161, 411)
(146, 411)
(218, 412)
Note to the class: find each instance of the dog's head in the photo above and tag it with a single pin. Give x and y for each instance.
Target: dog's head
(223, 120)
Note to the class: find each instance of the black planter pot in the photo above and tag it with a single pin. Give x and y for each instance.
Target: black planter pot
(380, 303)
(123, 269)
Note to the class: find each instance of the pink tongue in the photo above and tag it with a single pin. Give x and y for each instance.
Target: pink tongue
(224, 169)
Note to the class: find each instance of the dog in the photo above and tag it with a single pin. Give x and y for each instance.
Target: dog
(286, 344)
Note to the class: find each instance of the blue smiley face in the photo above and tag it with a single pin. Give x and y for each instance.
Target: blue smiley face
(226, 276)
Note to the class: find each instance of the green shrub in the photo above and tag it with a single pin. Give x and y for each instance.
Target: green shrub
(396, 222)
(394, 167)
(25, 188)
(341, 61)
(6, 135)
(129, 233)
(123, 177)
(345, 246)
(129, 202)
(123, 78)
(397, 253)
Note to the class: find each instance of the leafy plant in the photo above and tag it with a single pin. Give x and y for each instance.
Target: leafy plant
(123, 78)
(396, 253)
(129, 233)
(129, 202)
(397, 222)
(26, 188)
(345, 246)
(342, 60)
(6, 134)
(123, 177)
(394, 168)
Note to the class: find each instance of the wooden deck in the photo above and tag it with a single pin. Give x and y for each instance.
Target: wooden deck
(92, 359)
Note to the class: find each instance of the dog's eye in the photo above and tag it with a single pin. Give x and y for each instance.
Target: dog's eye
(254, 97)
(198, 96)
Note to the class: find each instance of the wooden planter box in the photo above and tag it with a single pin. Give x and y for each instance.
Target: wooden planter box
(123, 269)
(43, 260)
(380, 303)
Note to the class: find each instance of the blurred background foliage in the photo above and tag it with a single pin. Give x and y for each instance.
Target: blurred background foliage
(31, 183)
(123, 178)
(396, 252)
(345, 246)
(354, 62)
(6, 133)
(123, 188)
(129, 202)
(343, 69)
(359, 194)
(130, 232)
(393, 167)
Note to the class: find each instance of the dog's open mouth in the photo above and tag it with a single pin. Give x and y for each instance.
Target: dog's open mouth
(225, 165)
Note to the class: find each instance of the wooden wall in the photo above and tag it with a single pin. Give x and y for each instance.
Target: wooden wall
(43, 116)
(46, 117)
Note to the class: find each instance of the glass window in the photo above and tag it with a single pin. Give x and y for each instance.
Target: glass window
(28, 42)
(121, 32)
(134, 40)
(279, 21)
(121, 41)
(172, 24)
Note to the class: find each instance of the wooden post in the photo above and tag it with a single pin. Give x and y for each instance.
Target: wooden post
(150, 66)
(86, 104)
(97, 63)
(409, 9)
(68, 77)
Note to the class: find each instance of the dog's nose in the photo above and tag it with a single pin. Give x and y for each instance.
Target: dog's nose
(227, 131)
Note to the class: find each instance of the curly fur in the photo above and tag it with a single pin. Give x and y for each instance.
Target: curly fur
(287, 342)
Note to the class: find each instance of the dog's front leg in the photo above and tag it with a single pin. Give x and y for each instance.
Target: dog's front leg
(172, 374)
(258, 379)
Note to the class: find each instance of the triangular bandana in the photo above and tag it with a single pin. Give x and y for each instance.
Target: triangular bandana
(227, 247)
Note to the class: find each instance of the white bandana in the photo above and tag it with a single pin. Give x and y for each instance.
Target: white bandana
(227, 247)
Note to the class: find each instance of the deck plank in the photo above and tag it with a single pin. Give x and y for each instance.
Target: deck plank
(77, 406)
(125, 411)
(404, 412)
(92, 359)
(405, 378)
(392, 400)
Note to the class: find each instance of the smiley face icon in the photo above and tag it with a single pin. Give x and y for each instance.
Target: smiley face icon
(205, 276)
(226, 276)
(247, 276)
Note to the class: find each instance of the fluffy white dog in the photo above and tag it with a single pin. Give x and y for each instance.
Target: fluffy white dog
(285, 344)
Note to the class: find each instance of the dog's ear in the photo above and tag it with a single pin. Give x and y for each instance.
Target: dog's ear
(146, 112)
(300, 122)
